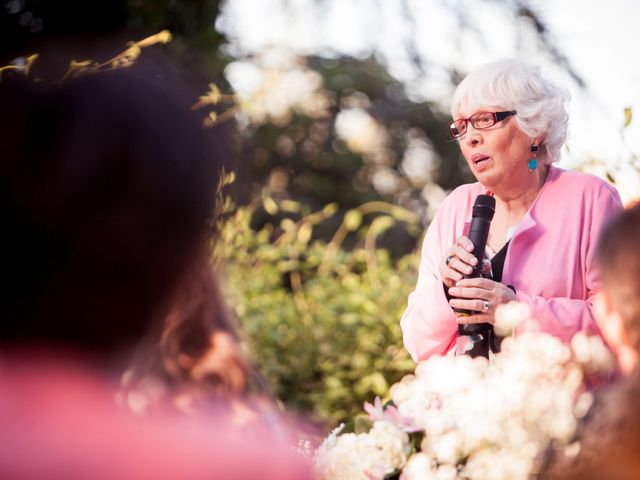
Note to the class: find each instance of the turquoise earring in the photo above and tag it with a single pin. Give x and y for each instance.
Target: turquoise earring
(533, 163)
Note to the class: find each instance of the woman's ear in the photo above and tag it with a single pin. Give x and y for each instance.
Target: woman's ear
(537, 140)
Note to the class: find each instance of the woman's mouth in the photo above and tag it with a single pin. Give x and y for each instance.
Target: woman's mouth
(479, 161)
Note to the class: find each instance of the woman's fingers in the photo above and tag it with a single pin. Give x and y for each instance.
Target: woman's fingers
(479, 295)
(479, 282)
(459, 261)
(464, 255)
(475, 304)
(460, 266)
(452, 276)
(482, 288)
(479, 318)
(465, 243)
(469, 292)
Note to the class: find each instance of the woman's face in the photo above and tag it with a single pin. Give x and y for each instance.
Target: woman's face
(498, 155)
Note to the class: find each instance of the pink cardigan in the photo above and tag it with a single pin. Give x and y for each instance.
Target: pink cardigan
(550, 260)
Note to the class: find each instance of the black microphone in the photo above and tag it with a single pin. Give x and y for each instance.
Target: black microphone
(483, 210)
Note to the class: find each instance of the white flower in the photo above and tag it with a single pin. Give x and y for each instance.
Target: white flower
(348, 458)
(365, 456)
(445, 449)
(479, 420)
(392, 445)
(332, 438)
(509, 316)
(446, 472)
(504, 464)
(591, 352)
(582, 406)
(419, 467)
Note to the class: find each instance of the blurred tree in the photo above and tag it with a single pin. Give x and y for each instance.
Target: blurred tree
(366, 141)
(354, 137)
(78, 30)
(320, 322)
(25, 23)
(327, 128)
(192, 23)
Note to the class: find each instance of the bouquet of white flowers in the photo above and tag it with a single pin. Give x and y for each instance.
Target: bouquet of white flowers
(459, 417)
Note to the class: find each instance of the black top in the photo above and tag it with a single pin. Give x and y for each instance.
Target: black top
(497, 265)
(497, 262)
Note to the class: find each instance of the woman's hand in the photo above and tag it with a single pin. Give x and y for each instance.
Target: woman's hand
(481, 295)
(458, 261)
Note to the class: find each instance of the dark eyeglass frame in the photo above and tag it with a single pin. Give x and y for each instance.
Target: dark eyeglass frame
(497, 117)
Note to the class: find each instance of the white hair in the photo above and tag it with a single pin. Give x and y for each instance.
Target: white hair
(515, 85)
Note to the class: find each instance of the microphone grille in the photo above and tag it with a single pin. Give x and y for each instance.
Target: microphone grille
(484, 206)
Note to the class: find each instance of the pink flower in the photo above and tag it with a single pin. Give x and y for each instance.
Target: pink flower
(390, 413)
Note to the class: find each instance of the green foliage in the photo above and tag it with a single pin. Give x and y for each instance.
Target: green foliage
(321, 323)
(196, 41)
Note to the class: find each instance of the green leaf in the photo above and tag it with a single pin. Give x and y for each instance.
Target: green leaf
(288, 225)
(381, 224)
(304, 234)
(628, 114)
(404, 214)
(352, 220)
(213, 95)
(330, 209)
(270, 205)
(362, 424)
(290, 206)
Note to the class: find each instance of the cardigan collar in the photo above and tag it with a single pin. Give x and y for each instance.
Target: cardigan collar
(528, 220)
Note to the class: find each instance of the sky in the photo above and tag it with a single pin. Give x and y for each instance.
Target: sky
(602, 40)
(599, 38)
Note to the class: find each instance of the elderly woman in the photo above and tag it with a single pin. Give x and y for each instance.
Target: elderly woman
(510, 123)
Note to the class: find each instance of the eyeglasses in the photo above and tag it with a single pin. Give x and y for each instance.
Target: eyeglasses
(479, 121)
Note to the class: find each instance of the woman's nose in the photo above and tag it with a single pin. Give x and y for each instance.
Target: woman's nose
(472, 136)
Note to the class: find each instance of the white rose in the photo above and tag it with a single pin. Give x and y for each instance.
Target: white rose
(419, 467)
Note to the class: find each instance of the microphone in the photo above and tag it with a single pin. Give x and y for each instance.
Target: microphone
(483, 210)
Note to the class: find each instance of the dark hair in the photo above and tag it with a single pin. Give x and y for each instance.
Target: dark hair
(195, 357)
(106, 186)
(619, 259)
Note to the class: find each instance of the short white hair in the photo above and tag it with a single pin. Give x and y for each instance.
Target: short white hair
(540, 103)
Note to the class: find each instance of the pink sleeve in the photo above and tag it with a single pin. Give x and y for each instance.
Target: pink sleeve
(560, 317)
(564, 317)
(429, 325)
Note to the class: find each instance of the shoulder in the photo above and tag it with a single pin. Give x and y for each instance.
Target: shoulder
(455, 209)
(575, 198)
(463, 195)
(573, 191)
(573, 182)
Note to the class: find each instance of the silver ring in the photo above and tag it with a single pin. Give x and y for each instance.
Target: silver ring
(485, 306)
(448, 260)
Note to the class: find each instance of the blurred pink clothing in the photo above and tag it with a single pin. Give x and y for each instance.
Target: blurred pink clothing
(61, 422)
(550, 260)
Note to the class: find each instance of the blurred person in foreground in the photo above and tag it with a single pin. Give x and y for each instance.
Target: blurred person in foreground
(193, 362)
(610, 435)
(108, 187)
(510, 123)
